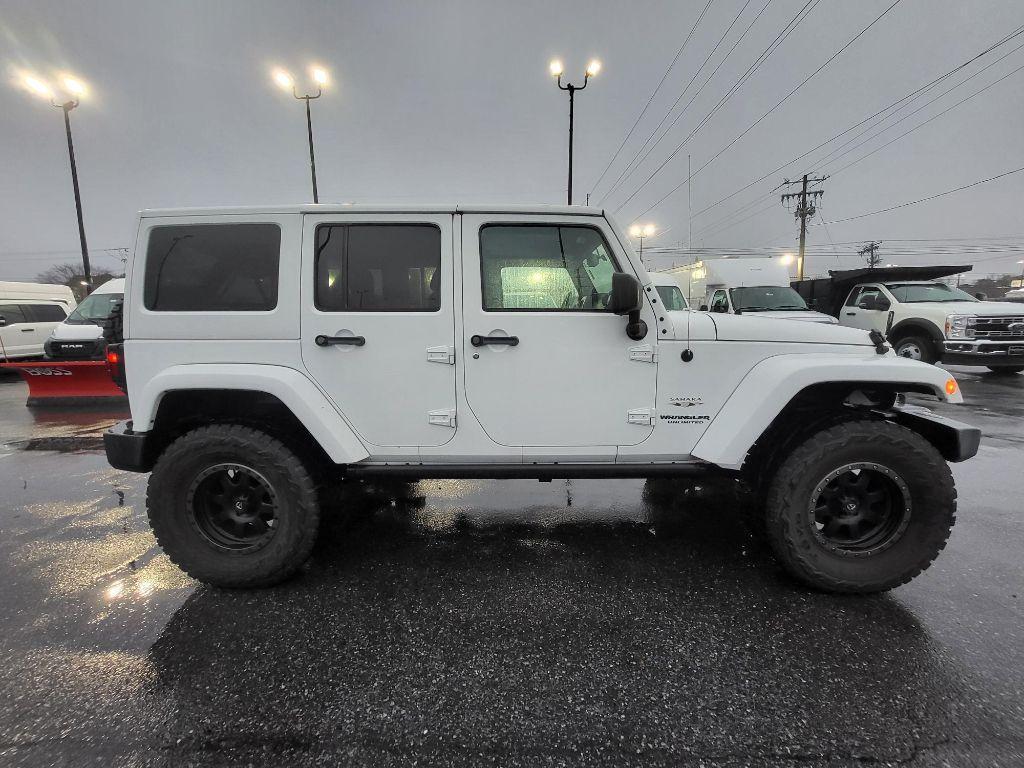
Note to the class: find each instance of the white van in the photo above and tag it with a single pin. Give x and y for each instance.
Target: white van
(753, 286)
(80, 337)
(28, 312)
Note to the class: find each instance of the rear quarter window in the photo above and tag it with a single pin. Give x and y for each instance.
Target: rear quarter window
(46, 313)
(212, 268)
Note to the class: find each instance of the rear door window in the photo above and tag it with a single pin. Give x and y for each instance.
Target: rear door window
(45, 313)
(212, 268)
(720, 302)
(378, 268)
(12, 313)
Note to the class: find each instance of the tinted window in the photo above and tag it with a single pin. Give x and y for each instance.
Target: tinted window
(378, 268)
(868, 293)
(720, 302)
(12, 313)
(213, 268)
(671, 297)
(545, 268)
(45, 313)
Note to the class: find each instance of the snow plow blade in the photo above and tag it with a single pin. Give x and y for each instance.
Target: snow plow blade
(85, 382)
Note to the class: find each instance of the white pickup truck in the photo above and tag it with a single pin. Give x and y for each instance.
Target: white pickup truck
(271, 353)
(923, 319)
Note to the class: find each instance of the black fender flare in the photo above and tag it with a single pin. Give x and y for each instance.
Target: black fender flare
(914, 325)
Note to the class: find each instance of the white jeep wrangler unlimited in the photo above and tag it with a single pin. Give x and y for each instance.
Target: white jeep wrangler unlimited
(270, 353)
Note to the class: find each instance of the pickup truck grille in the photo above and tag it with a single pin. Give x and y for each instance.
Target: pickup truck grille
(999, 328)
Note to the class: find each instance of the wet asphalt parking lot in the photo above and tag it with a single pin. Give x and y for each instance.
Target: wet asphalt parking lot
(508, 623)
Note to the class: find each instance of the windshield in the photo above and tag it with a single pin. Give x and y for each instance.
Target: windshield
(919, 293)
(672, 297)
(94, 309)
(763, 297)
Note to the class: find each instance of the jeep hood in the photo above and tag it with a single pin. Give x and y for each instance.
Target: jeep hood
(766, 329)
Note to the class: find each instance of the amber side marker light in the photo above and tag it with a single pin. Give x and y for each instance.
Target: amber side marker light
(951, 387)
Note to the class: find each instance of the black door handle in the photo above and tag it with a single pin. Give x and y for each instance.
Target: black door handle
(27, 330)
(327, 341)
(479, 341)
(851, 314)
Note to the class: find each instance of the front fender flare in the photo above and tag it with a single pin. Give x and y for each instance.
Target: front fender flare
(308, 404)
(771, 384)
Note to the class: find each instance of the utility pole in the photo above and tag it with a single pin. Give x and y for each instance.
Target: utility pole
(870, 254)
(804, 210)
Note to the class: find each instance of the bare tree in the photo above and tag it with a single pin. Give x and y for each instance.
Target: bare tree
(71, 276)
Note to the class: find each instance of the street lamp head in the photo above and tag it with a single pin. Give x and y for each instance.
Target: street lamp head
(74, 86)
(787, 258)
(649, 230)
(36, 86)
(556, 68)
(283, 79)
(319, 75)
(636, 231)
(593, 68)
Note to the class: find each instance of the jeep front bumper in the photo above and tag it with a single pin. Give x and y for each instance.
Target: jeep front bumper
(994, 353)
(126, 449)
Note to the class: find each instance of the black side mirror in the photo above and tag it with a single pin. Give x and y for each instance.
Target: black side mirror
(720, 308)
(3, 321)
(626, 298)
(882, 304)
(980, 296)
(868, 302)
(703, 307)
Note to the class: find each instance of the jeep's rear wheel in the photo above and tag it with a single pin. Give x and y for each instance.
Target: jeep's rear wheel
(916, 348)
(233, 507)
(863, 506)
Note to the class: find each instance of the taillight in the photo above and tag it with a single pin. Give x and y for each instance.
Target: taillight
(115, 365)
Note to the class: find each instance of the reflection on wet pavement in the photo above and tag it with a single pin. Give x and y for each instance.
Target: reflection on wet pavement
(512, 623)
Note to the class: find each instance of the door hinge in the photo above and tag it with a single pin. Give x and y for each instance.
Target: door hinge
(442, 354)
(640, 416)
(643, 354)
(444, 417)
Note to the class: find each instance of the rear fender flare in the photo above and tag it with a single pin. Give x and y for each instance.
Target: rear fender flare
(773, 383)
(306, 402)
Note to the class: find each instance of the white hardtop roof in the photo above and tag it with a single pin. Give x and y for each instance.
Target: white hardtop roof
(328, 208)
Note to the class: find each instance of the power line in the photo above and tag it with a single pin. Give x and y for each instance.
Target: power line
(908, 97)
(926, 199)
(780, 38)
(653, 94)
(629, 166)
(762, 117)
(916, 92)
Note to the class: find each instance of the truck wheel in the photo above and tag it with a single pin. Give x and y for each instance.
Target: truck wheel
(1006, 370)
(233, 507)
(863, 506)
(916, 348)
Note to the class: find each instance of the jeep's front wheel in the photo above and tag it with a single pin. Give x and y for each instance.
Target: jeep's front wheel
(233, 507)
(863, 506)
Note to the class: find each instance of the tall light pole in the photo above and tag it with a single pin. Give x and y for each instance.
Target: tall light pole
(640, 231)
(286, 82)
(75, 89)
(556, 69)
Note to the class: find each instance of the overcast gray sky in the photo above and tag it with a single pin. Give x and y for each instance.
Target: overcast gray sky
(453, 101)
